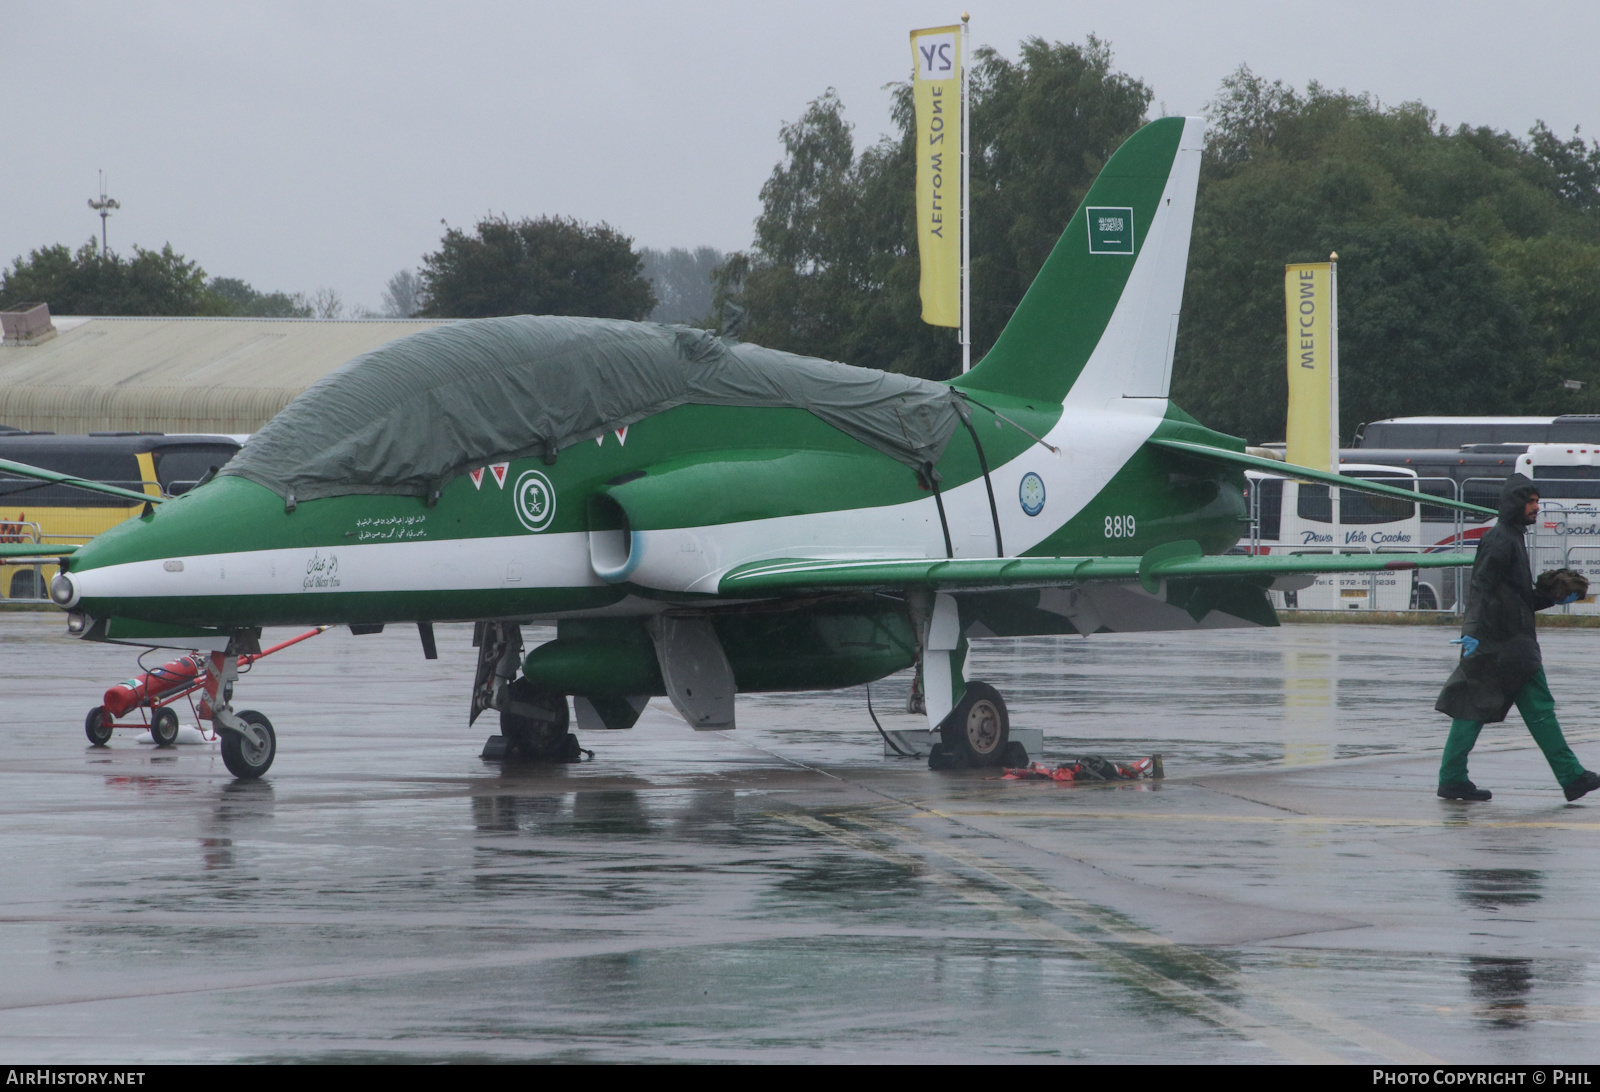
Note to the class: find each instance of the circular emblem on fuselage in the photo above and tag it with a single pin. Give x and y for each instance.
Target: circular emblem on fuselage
(535, 500)
(1031, 493)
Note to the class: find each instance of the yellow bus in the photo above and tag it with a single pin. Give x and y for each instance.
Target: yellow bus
(52, 515)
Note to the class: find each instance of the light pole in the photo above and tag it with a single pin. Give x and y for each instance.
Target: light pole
(104, 207)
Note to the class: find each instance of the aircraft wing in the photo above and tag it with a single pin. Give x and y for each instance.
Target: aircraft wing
(9, 550)
(1292, 470)
(23, 470)
(1181, 559)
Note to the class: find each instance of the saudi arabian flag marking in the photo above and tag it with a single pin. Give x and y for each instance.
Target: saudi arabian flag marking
(535, 500)
(1110, 231)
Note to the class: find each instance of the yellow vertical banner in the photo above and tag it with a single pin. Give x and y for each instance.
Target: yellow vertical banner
(1309, 304)
(936, 93)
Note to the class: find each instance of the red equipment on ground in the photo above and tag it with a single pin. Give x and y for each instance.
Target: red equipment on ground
(153, 692)
(146, 688)
(1090, 768)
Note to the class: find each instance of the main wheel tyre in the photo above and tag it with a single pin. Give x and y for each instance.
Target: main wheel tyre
(534, 723)
(248, 758)
(164, 728)
(97, 726)
(978, 726)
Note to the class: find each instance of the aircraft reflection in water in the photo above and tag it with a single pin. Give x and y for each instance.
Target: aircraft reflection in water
(701, 517)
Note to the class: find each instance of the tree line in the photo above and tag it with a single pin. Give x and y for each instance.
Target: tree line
(549, 265)
(1469, 270)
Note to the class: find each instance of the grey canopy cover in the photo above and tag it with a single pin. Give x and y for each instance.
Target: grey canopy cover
(410, 415)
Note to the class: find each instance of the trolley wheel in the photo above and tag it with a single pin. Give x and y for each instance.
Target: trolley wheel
(978, 727)
(97, 726)
(164, 728)
(245, 758)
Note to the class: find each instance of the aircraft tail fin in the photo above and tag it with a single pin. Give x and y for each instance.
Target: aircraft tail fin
(1101, 318)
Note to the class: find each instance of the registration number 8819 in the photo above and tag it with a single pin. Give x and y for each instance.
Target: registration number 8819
(1120, 527)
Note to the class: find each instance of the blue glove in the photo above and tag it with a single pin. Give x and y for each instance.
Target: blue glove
(1573, 598)
(1469, 645)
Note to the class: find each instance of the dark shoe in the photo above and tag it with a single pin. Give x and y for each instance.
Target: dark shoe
(1587, 781)
(1466, 790)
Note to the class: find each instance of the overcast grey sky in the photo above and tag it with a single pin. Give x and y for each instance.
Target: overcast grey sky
(300, 145)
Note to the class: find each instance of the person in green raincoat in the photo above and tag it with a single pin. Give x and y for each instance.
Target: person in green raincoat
(1500, 663)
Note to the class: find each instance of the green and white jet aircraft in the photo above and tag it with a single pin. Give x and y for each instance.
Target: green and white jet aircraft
(758, 527)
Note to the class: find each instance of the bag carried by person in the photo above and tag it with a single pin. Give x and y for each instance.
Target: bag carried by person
(1557, 584)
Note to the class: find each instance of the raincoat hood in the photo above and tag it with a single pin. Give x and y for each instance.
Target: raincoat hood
(1514, 499)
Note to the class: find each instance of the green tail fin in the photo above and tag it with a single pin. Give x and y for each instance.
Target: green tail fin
(1102, 315)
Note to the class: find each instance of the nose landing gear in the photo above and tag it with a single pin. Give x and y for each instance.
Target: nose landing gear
(248, 750)
(248, 742)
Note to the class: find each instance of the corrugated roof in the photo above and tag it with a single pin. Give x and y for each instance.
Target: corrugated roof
(225, 375)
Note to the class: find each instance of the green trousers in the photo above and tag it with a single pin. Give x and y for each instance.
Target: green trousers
(1538, 711)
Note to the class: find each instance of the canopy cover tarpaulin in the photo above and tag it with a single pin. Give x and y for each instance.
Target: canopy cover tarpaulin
(407, 417)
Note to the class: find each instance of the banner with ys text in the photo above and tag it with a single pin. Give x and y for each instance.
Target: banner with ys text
(936, 92)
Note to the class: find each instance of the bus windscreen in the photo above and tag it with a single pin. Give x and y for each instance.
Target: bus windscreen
(1567, 481)
(113, 468)
(1354, 507)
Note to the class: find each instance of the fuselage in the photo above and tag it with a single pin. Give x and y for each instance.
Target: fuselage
(655, 514)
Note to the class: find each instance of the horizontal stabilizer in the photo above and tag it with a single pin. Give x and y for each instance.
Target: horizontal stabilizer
(793, 575)
(1292, 470)
(23, 470)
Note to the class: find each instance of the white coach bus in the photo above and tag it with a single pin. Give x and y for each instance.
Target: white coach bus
(1295, 517)
(1567, 534)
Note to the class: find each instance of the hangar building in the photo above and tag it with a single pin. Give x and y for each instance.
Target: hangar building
(174, 375)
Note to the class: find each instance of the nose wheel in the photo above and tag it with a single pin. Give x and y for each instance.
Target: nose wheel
(248, 751)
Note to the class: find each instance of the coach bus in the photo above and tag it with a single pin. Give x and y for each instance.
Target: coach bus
(1296, 517)
(1567, 533)
(49, 514)
(1454, 432)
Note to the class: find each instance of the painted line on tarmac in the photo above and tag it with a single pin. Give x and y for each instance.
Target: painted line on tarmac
(1187, 998)
(1114, 925)
(1453, 821)
(1385, 1046)
(223, 981)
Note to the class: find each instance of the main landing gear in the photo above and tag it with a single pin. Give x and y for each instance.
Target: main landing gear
(976, 733)
(534, 725)
(533, 722)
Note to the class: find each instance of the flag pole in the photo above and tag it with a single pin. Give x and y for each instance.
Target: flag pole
(1336, 495)
(966, 231)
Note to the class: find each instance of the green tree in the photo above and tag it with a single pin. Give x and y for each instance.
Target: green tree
(681, 280)
(89, 282)
(240, 299)
(1468, 261)
(402, 295)
(834, 270)
(548, 266)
